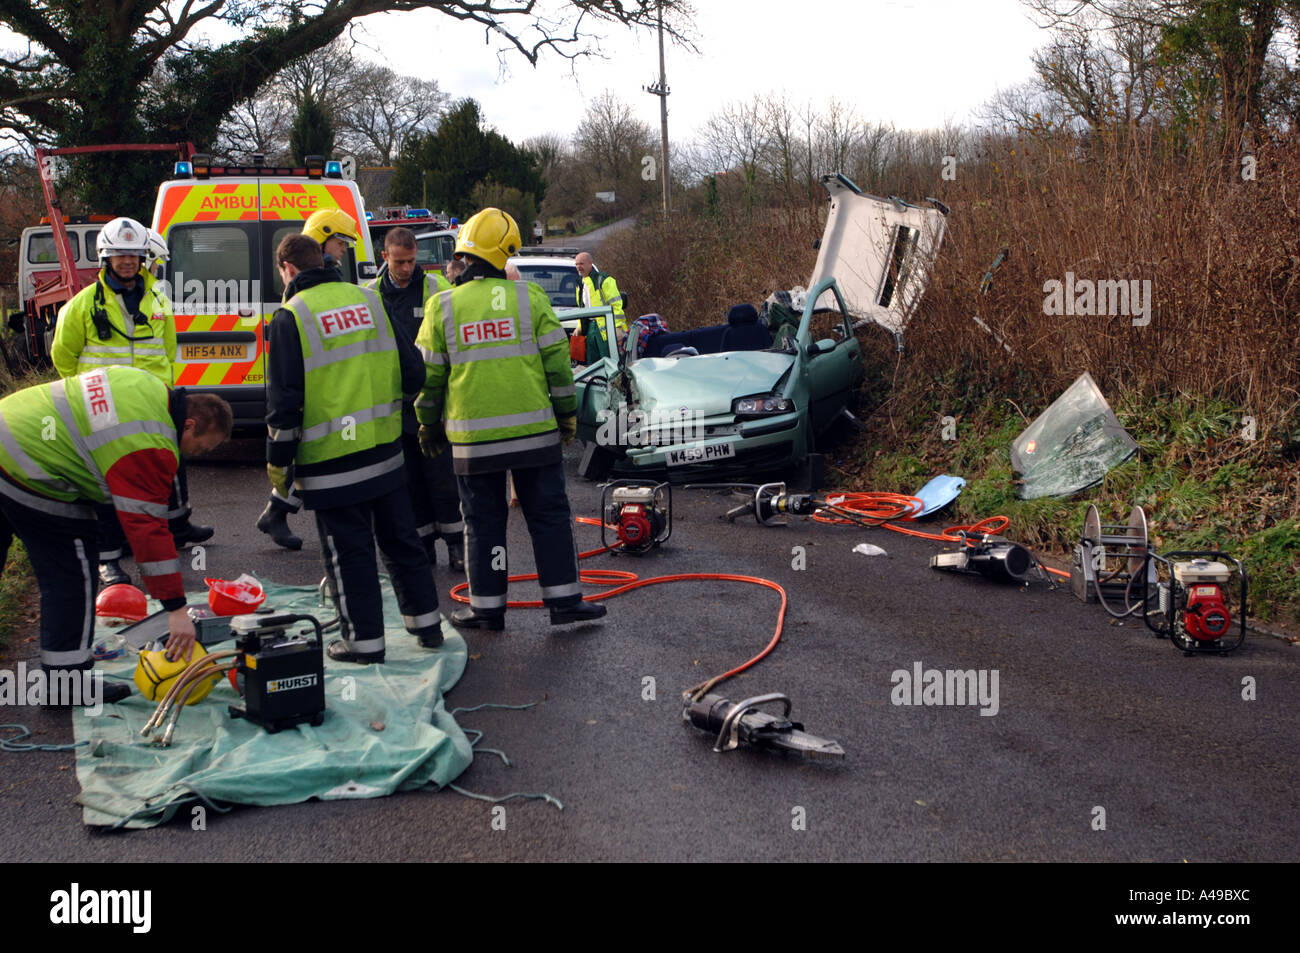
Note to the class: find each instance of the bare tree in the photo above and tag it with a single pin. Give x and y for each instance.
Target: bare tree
(737, 138)
(611, 142)
(258, 126)
(385, 109)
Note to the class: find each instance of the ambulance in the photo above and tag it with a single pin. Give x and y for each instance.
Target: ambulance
(222, 225)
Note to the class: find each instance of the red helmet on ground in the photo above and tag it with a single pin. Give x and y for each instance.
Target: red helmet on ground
(122, 601)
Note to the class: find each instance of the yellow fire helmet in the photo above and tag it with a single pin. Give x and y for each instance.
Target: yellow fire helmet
(328, 222)
(491, 235)
(155, 675)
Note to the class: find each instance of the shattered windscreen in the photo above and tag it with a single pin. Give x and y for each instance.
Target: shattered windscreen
(1071, 445)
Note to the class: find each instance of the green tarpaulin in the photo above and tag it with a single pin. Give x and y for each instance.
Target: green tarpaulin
(385, 730)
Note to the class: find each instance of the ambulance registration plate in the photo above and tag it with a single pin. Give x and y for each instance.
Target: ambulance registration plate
(216, 353)
(700, 454)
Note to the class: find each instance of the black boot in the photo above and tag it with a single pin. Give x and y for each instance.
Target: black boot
(274, 523)
(110, 573)
(190, 533)
(110, 694)
(579, 612)
(468, 618)
(339, 652)
(456, 555)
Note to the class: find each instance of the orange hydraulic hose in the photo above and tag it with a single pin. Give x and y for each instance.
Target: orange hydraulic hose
(630, 581)
(878, 509)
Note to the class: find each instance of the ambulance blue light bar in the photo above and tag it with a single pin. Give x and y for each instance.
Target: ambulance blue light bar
(333, 169)
(183, 170)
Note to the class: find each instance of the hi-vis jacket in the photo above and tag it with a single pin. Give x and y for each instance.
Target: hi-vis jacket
(146, 340)
(497, 365)
(338, 374)
(108, 434)
(599, 289)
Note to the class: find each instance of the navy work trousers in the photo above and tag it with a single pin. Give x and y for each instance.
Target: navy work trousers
(545, 502)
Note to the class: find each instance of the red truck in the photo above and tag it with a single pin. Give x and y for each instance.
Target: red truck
(58, 258)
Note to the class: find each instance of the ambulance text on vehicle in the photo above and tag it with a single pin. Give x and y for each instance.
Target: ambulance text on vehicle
(222, 225)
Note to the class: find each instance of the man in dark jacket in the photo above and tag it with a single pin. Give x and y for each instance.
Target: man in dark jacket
(408, 292)
(337, 374)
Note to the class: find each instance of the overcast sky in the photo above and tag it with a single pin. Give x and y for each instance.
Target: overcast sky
(914, 63)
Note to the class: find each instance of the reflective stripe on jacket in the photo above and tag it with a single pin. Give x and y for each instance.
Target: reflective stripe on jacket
(353, 387)
(107, 434)
(497, 367)
(149, 344)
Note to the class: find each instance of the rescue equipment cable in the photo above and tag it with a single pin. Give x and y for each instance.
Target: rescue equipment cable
(630, 581)
(879, 509)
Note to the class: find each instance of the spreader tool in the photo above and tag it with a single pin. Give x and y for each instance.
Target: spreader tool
(769, 501)
(737, 723)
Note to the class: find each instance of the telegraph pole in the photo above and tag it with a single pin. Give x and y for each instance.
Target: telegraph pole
(661, 90)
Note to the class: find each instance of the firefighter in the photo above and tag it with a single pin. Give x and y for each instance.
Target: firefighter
(159, 255)
(108, 435)
(337, 373)
(497, 363)
(124, 317)
(431, 483)
(595, 288)
(335, 231)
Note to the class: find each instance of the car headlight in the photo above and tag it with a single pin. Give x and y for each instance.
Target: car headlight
(761, 406)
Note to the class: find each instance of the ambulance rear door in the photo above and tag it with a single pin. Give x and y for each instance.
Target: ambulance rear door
(213, 231)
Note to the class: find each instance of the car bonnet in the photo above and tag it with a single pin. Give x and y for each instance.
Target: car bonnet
(706, 383)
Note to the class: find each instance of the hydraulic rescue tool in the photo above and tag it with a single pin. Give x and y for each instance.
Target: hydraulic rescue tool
(737, 723)
(280, 674)
(769, 501)
(640, 513)
(990, 557)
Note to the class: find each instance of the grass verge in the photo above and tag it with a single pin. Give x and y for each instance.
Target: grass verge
(1202, 480)
(18, 597)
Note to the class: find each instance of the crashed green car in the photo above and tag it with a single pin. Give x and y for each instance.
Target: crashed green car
(752, 395)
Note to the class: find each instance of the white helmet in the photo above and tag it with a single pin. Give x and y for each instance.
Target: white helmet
(123, 236)
(158, 250)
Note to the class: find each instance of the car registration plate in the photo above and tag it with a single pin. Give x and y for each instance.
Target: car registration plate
(700, 454)
(215, 353)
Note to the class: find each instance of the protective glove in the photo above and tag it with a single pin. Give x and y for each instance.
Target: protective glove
(279, 477)
(568, 428)
(433, 440)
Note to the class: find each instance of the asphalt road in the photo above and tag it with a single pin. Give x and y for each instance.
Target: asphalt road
(1089, 715)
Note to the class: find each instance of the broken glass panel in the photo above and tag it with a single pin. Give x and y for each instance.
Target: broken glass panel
(1071, 445)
